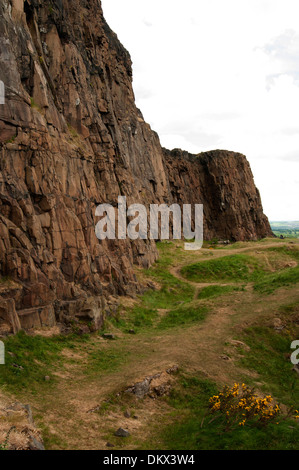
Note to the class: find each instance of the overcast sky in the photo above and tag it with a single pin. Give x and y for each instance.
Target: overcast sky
(221, 74)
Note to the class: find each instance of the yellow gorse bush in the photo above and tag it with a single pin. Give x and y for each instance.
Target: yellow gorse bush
(239, 404)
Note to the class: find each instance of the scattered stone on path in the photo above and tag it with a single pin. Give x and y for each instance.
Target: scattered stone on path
(35, 444)
(17, 426)
(109, 444)
(225, 357)
(234, 342)
(160, 391)
(173, 370)
(151, 285)
(29, 414)
(108, 336)
(277, 324)
(127, 414)
(122, 433)
(154, 386)
(140, 389)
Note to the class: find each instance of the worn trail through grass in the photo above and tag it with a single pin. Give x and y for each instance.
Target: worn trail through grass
(183, 322)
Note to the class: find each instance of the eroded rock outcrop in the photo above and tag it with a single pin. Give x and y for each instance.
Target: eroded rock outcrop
(223, 182)
(71, 138)
(17, 428)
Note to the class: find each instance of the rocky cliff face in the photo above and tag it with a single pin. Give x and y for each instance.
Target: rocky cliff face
(223, 182)
(71, 138)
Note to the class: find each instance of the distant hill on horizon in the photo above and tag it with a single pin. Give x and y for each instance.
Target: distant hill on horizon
(289, 223)
(285, 228)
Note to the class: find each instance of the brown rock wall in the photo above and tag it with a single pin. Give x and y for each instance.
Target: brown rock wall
(71, 138)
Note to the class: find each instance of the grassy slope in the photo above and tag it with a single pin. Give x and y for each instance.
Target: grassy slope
(180, 321)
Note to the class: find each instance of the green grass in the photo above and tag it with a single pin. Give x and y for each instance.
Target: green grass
(290, 314)
(189, 428)
(139, 318)
(249, 244)
(215, 291)
(269, 356)
(144, 318)
(172, 294)
(274, 281)
(188, 400)
(106, 360)
(291, 252)
(287, 233)
(31, 359)
(184, 315)
(51, 441)
(233, 268)
(172, 291)
(244, 268)
(28, 359)
(283, 278)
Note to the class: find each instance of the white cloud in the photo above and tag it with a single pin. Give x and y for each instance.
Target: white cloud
(147, 23)
(215, 74)
(284, 50)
